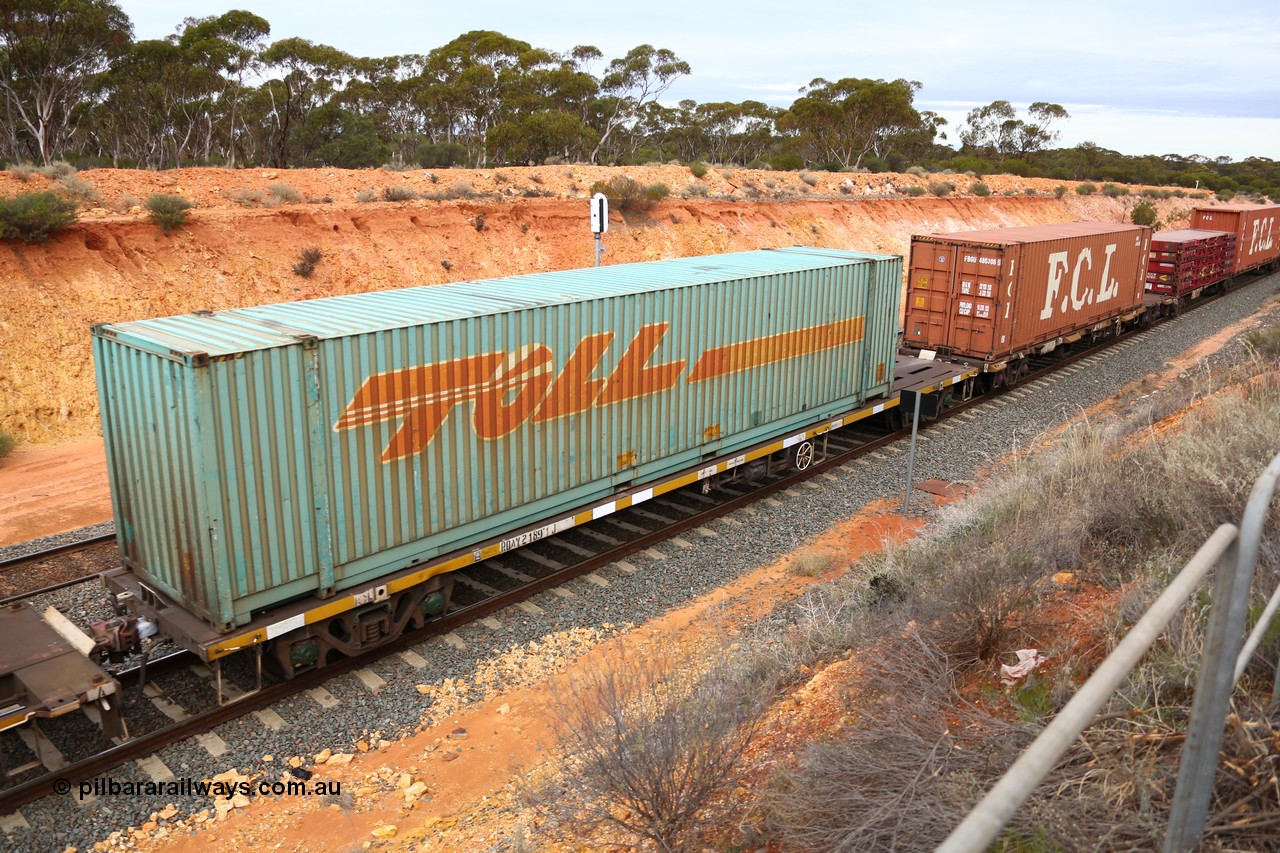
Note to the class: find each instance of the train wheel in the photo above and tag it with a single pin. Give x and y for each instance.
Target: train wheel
(945, 399)
(803, 455)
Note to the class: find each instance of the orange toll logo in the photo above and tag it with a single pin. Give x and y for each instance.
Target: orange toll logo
(509, 389)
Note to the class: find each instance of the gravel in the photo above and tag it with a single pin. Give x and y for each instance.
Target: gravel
(10, 552)
(763, 533)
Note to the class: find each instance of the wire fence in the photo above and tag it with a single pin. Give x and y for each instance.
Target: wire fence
(1234, 551)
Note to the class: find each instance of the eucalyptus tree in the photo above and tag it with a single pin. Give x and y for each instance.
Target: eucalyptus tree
(844, 121)
(995, 130)
(470, 81)
(229, 45)
(51, 55)
(632, 82)
(308, 76)
(737, 133)
(155, 101)
(539, 136)
(548, 110)
(687, 139)
(386, 91)
(654, 135)
(918, 143)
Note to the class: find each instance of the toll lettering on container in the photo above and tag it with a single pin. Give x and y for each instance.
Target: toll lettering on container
(422, 397)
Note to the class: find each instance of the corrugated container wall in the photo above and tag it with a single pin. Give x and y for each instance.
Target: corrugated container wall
(1257, 237)
(260, 454)
(987, 295)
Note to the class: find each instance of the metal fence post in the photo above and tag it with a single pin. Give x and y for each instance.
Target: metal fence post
(986, 820)
(1218, 671)
(1208, 711)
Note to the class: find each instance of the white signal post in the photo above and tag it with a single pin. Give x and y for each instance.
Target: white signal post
(599, 221)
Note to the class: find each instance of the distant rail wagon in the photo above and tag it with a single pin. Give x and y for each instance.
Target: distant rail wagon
(1188, 260)
(1254, 226)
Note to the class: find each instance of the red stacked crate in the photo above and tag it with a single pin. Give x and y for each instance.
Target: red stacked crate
(1186, 260)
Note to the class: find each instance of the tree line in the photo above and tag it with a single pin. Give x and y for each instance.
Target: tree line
(77, 86)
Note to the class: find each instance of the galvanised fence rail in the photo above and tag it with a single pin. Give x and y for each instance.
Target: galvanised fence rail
(1234, 550)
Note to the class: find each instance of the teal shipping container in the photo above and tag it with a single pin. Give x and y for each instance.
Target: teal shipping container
(258, 455)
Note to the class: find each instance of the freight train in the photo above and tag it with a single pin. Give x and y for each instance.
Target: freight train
(999, 297)
(298, 481)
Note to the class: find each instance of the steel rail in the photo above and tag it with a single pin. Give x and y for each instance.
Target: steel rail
(14, 563)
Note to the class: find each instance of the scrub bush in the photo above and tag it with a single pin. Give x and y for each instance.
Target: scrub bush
(34, 217)
(399, 194)
(284, 194)
(307, 265)
(168, 211)
(1144, 214)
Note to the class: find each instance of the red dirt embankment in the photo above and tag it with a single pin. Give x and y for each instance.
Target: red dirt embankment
(114, 265)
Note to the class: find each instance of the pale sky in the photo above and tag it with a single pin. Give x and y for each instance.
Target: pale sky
(1177, 76)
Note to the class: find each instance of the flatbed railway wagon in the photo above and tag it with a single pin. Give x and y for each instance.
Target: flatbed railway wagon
(1254, 225)
(995, 297)
(304, 476)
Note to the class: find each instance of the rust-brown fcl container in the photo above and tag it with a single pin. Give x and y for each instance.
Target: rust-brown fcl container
(1005, 292)
(1257, 237)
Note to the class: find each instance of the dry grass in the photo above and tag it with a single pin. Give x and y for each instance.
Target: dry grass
(1124, 503)
(22, 171)
(399, 193)
(1265, 342)
(246, 197)
(283, 194)
(651, 745)
(811, 563)
(916, 743)
(78, 188)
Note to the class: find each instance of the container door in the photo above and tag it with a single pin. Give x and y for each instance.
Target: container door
(929, 294)
(973, 321)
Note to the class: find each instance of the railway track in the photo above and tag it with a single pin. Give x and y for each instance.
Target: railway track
(53, 568)
(482, 589)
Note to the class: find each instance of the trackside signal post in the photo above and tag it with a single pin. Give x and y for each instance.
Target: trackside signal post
(599, 221)
(915, 402)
